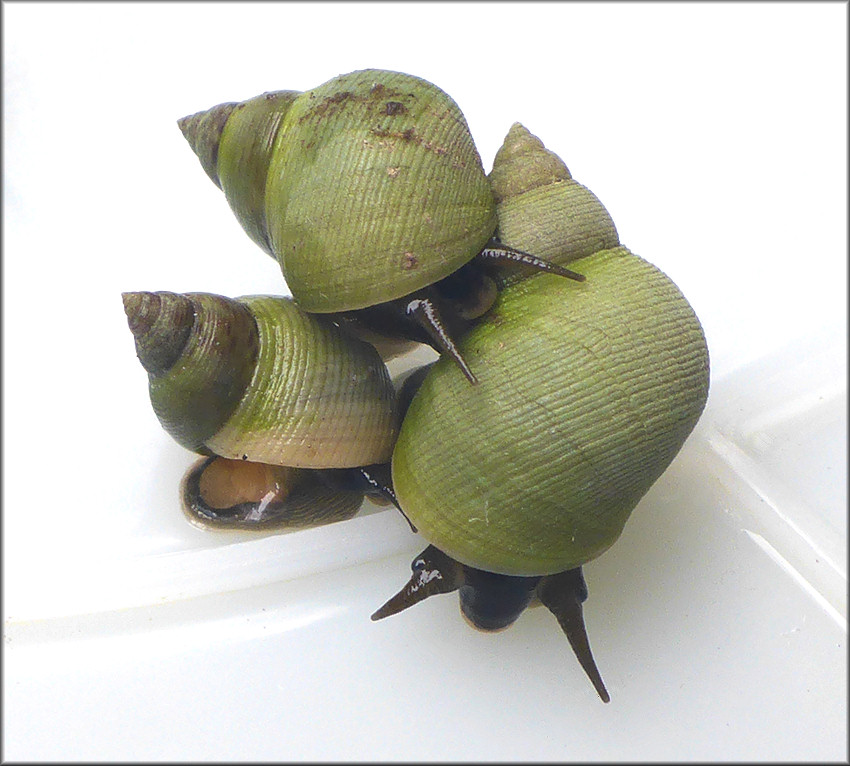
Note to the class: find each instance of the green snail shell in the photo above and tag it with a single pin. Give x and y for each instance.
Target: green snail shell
(540, 208)
(366, 188)
(586, 392)
(258, 379)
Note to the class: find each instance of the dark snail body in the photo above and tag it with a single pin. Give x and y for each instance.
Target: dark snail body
(492, 602)
(441, 312)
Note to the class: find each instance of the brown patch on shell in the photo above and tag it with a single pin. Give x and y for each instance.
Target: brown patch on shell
(378, 94)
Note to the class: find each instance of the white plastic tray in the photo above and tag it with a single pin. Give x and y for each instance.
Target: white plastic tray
(719, 620)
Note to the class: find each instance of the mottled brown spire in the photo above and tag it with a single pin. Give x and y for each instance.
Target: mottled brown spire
(203, 132)
(161, 324)
(200, 353)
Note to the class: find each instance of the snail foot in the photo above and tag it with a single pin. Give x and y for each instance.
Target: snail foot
(222, 493)
(492, 602)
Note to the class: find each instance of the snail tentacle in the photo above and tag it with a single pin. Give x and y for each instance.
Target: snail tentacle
(563, 594)
(433, 573)
(374, 481)
(425, 312)
(488, 601)
(499, 253)
(377, 480)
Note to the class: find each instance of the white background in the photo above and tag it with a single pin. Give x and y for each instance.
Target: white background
(716, 136)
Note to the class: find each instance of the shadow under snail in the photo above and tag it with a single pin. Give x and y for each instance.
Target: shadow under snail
(370, 193)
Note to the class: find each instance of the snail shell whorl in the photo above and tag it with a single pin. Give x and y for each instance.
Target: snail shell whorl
(523, 163)
(160, 323)
(376, 189)
(586, 391)
(257, 379)
(540, 208)
(318, 397)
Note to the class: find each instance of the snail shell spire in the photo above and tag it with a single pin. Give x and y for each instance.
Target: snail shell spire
(161, 324)
(541, 209)
(234, 143)
(203, 132)
(199, 352)
(523, 163)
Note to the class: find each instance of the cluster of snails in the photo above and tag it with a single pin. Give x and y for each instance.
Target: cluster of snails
(576, 387)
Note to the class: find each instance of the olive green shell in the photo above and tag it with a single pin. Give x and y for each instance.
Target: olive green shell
(366, 188)
(586, 393)
(541, 208)
(258, 379)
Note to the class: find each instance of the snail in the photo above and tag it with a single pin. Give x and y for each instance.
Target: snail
(590, 391)
(586, 393)
(489, 601)
(370, 193)
(219, 493)
(585, 390)
(270, 394)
